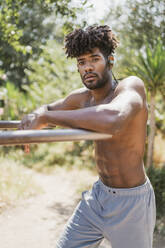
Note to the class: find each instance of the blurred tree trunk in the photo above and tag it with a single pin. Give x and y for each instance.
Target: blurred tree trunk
(151, 136)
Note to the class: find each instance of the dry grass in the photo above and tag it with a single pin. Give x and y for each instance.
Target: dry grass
(16, 183)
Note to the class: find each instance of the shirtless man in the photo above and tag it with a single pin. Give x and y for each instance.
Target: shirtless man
(121, 204)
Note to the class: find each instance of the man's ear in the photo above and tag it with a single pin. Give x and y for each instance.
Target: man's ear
(111, 61)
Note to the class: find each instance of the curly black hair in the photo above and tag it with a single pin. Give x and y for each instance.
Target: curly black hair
(81, 41)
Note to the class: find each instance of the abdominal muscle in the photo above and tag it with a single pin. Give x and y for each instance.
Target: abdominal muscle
(120, 165)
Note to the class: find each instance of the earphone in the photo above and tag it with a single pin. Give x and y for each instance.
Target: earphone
(111, 60)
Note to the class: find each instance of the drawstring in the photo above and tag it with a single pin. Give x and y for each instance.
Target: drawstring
(116, 81)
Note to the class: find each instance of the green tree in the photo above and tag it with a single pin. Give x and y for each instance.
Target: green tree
(52, 76)
(14, 102)
(24, 27)
(160, 114)
(137, 21)
(149, 66)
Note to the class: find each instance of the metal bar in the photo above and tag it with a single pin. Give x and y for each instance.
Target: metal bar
(43, 136)
(9, 124)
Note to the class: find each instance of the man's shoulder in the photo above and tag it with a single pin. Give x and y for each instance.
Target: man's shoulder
(77, 98)
(80, 91)
(131, 83)
(80, 94)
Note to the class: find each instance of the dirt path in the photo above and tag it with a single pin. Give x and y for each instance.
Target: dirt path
(38, 221)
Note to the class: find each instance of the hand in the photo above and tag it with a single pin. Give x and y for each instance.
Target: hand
(24, 125)
(35, 120)
(31, 121)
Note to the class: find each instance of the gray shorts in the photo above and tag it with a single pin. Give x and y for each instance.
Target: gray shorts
(125, 217)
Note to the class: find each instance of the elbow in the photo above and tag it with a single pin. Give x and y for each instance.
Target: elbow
(114, 124)
(113, 128)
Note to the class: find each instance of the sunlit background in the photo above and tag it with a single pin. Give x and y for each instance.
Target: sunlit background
(34, 71)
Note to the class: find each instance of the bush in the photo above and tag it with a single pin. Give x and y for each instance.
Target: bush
(47, 156)
(157, 178)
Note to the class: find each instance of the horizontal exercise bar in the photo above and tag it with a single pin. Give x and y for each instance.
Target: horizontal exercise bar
(20, 137)
(9, 124)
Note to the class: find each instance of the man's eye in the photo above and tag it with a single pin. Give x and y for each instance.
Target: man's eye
(95, 59)
(81, 63)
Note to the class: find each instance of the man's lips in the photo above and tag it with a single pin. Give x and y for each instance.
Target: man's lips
(89, 77)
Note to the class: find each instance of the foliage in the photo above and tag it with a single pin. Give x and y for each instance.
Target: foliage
(160, 115)
(157, 178)
(15, 102)
(136, 23)
(147, 21)
(149, 66)
(139, 20)
(24, 27)
(46, 157)
(52, 76)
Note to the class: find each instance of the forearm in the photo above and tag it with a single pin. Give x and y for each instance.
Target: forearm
(92, 118)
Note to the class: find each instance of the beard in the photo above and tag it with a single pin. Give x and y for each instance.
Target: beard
(96, 83)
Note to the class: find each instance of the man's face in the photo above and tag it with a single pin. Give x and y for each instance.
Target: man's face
(93, 69)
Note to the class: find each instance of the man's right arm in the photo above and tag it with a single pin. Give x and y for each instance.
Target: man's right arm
(73, 101)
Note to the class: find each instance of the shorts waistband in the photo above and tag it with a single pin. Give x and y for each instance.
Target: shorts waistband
(127, 191)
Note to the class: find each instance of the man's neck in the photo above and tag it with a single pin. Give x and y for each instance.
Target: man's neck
(101, 93)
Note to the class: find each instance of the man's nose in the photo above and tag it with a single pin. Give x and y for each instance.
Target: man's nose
(89, 67)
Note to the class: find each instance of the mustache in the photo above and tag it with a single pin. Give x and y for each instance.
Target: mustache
(89, 74)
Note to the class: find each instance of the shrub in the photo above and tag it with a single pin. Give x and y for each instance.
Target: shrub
(157, 178)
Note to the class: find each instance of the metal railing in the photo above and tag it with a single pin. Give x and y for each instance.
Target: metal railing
(9, 124)
(20, 137)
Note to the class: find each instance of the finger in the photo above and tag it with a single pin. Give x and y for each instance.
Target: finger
(20, 126)
(26, 122)
(27, 148)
